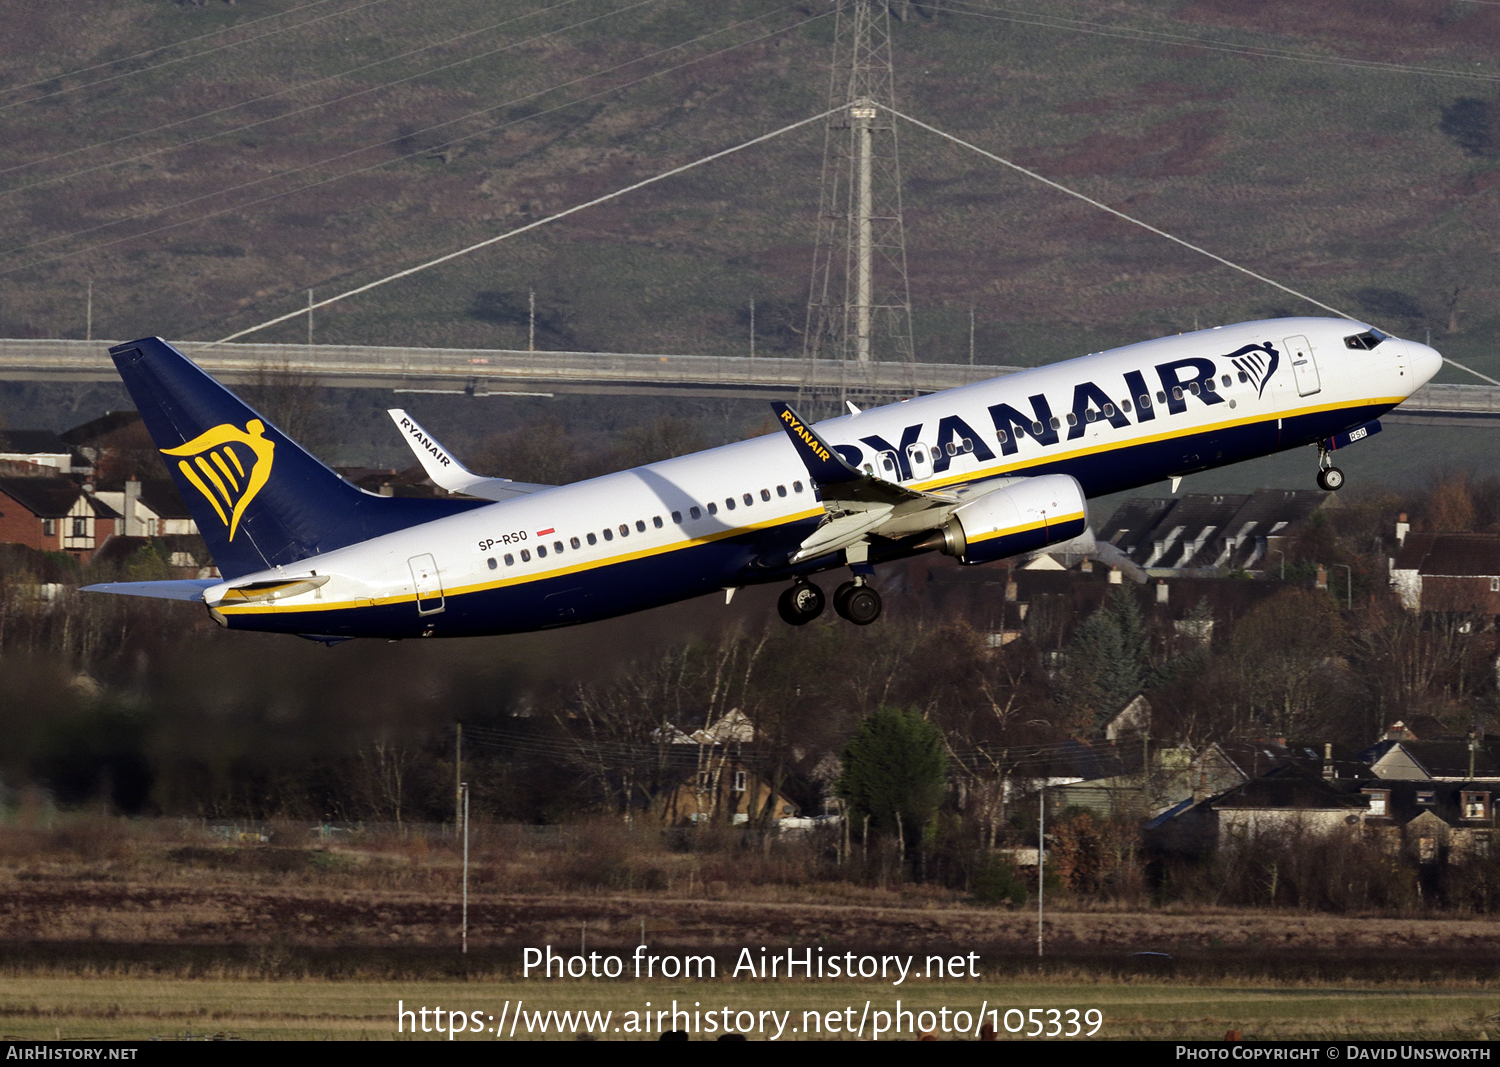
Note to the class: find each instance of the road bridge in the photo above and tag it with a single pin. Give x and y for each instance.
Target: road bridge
(506, 372)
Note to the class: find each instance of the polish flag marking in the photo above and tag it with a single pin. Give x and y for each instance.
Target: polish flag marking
(544, 533)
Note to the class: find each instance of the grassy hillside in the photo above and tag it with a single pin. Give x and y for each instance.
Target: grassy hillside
(264, 148)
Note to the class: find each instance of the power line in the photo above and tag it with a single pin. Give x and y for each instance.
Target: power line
(522, 229)
(426, 151)
(1159, 232)
(160, 48)
(302, 110)
(1058, 22)
(184, 59)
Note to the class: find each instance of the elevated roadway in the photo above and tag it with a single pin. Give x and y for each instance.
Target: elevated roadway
(504, 372)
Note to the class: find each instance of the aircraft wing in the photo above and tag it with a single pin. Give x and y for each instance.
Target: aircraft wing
(448, 473)
(857, 504)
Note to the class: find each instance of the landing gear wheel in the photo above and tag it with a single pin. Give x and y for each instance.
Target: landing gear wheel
(800, 604)
(857, 602)
(1331, 480)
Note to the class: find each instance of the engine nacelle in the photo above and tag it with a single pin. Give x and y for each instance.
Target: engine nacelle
(1024, 516)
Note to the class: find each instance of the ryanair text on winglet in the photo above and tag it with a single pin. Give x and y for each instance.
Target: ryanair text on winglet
(802, 432)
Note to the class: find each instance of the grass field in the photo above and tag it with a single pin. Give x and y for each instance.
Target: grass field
(137, 1008)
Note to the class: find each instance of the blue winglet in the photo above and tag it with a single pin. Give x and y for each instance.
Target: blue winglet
(824, 465)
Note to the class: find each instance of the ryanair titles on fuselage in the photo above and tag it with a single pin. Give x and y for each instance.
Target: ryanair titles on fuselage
(1090, 404)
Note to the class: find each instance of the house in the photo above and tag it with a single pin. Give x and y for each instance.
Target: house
(42, 448)
(151, 508)
(1449, 572)
(54, 515)
(725, 782)
(1437, 761)
(1433, 822)
(1203, 531)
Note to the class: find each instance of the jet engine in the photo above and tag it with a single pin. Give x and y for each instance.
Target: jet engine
(1021, 517)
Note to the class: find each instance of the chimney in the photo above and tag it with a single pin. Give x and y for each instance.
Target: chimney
(134, 527)
(1162, 592)
(1322, 582)
(1328, 760)
(1114, 576)
(1402, 529)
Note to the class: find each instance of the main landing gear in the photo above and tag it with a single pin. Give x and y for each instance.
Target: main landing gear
(801, 604)
(1330, 478)
(855, 600)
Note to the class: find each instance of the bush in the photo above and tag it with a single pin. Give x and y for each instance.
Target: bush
(996, 881)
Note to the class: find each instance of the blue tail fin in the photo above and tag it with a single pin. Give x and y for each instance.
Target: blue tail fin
(258, 498)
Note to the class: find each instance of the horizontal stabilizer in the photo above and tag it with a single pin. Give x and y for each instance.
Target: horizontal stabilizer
(448, 473)
(186, 589)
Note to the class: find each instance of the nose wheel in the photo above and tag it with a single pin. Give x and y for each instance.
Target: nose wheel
(1330, 478)
(857, 602)
(800, 604)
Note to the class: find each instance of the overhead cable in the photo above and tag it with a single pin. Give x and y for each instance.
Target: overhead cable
(409, 271)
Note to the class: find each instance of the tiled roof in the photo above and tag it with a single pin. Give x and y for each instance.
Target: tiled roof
(1451, 554)
(46, 498)
(33, 442)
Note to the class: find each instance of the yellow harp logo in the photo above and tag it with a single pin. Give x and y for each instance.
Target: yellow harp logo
(235, 463)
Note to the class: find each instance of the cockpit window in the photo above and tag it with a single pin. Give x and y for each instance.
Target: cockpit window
(1367, 340)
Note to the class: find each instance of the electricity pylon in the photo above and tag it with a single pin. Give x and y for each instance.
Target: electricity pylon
(859, 305)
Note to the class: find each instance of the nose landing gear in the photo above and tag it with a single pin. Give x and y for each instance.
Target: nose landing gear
(801, 604)
(1330, 478)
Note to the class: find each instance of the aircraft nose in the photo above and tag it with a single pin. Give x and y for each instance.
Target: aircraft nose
(1425, 363)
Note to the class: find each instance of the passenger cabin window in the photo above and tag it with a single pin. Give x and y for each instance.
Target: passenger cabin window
(609, 535)
(1125, 405)
(525, 556)
(781, 490)
(1072, 419)
(1367, 340)
(624, 529)
(1109, 409)
(713, 509)
(1228, 381)
(492, 563)
(1091, 415)
(1054, 423)
(765, 494)
(1145, 401)
(656, 521)
(510, 561)
(693, 512)
(557, 546)
(541, 551)
(640, 525)
(592, 539)
(796, 487)
(574, 542)
(748, 499)
(729, 502)
(1161, 397)
(677, 517)
(1244, 377)
(1003, 437)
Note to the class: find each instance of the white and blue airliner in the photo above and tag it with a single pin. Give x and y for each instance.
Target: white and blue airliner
(981, 472)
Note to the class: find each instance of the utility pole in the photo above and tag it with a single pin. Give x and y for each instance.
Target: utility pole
(752, 327)
(463, 791)
(309, 316)
(531, 321)
(971, 335)
(88, 315)
(458, 772)
(859, 303)
(1041, 860)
